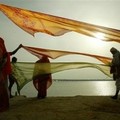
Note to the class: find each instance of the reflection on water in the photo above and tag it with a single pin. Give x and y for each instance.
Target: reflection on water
(74, 87)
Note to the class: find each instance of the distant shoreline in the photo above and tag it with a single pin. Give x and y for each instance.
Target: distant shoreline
(83, 80)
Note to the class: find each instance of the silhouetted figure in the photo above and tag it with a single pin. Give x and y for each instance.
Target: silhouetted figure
(5, 70)
(115, 69)
(12, 79)
(42, 77)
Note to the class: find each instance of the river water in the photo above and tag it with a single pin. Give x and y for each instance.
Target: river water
(74, 88)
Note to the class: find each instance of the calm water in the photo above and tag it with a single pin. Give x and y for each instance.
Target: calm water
(73, 88)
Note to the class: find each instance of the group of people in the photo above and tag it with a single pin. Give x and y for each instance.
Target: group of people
(41, 76)
(40, 81)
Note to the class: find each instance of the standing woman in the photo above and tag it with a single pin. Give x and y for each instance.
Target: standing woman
(5, 70)
(42, 78)
(115, 70)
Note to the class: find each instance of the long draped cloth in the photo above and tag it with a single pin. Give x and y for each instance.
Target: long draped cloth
(34, 22)
(41, 78)
(5, 69)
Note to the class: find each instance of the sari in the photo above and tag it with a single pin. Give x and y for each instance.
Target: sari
(42, 79)
(5, 69)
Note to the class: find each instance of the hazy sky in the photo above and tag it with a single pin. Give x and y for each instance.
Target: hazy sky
(99, 12)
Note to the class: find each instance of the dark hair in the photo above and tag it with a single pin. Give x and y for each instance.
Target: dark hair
(14, 59)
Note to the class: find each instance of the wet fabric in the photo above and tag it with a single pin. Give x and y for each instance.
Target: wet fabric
(23, 71)
(58, 53)
(33, 22)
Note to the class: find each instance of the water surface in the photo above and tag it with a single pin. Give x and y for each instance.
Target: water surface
(74, 88)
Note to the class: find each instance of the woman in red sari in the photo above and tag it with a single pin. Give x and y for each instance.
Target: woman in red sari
(42, 76)
(5, 69)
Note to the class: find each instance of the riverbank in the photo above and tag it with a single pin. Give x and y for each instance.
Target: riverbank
(63, 108)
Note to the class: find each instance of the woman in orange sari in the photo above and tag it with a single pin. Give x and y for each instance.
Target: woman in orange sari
(5, 69)
(42, 76)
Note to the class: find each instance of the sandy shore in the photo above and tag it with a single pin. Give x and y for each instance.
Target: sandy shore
(63, 108)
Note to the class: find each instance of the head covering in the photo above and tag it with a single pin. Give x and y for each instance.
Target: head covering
(113, 50)
(4, 54)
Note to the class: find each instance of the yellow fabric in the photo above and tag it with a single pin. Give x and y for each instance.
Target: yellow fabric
(34, 22)
(25, 70)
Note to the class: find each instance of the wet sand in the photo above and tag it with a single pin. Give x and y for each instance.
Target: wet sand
(63, 108)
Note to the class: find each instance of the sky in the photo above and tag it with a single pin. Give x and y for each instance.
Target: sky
(99, 12)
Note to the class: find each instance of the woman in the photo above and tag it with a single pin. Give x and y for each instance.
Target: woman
(42, 76)
(5, 69)
(115, 70)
